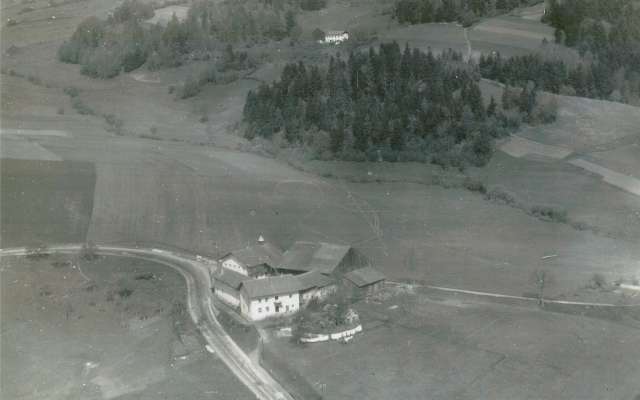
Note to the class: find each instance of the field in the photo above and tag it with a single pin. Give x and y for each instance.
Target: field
(430, 346)
(111, 328)
(45, 201)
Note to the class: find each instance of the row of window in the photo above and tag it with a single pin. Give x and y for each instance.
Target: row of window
(276, 297)
(266, 309)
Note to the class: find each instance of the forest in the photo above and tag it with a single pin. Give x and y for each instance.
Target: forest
(607, 35)
(124, 42)
(388, 104)
(464, 11)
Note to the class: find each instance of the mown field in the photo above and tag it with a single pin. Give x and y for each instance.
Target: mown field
(441, 347)
(45, 201)
(105, 329)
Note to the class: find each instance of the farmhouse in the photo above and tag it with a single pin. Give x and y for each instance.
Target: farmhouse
(255, 261)
(364, 281)
(270, 297)
(336, 37)
(262, 282)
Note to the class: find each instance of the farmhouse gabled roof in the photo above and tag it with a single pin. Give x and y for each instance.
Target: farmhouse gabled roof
(230, 278)
(272, 286)
(335, 33)
(257, 254)
(364, 276)
(309, 256)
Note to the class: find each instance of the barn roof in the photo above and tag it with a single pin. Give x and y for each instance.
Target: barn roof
(275, 285)
(309, 256)
(313, 279)
(257, 254)
(364, 276)
(230, 278)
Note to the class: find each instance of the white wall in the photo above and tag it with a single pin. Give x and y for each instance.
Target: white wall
(227, 297)
(232, 265)
(319, 294)
(265, 307)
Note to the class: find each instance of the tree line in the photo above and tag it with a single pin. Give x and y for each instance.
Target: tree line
(124, 42)
(607, 35)
(464, 11)
(386, 103)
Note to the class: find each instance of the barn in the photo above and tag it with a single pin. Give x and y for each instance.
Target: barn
(325, 258)
(364, 281)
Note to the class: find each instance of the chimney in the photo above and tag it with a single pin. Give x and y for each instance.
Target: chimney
(261, 240)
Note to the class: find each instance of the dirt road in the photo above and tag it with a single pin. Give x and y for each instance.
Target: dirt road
(201, 310)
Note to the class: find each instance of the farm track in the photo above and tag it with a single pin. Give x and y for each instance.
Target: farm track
(201, 310)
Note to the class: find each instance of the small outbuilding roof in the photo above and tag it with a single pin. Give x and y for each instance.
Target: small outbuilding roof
(364, 276)
(310, 256)
(314, 279)
(257, 254)
(272, 286)
(230, 278)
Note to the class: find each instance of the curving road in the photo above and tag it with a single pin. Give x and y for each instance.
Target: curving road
(201, 310)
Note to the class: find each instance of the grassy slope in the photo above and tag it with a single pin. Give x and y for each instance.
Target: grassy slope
(54, 322)
(45, 201)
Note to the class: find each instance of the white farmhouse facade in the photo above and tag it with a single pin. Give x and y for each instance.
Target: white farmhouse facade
(335, 37)
(233, 265)
(269, 297)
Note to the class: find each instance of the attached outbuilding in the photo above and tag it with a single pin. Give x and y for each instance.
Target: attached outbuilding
(255, 261)
(364, 281)
(226, 286)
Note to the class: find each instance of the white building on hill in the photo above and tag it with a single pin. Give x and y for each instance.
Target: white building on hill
(336, 37)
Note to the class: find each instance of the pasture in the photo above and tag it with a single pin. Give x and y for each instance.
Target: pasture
(423, 345)
(104, 329)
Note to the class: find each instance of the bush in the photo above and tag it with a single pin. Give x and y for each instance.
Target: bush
(548, 213)
(71, 91)
(473, 185)
(125, 292)
(598, 281)
(501, 195)
(81, 107)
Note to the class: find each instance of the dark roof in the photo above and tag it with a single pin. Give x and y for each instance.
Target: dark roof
(275, 285)
(313, 279)
(364, 276)
(309, 256)
(257, 254)
(230, 278)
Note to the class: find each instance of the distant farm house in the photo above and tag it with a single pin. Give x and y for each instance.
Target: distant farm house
(260, 281)
(336, 37)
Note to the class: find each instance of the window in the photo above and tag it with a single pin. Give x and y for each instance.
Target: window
(259, 309)
(276, 297)
(266, 309)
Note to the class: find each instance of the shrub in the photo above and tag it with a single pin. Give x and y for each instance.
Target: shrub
(474, 186)
(501, 195)
(81, 107)
(598, 281)
(125, 292)
(548, 213)
(116, 124)
(71, 91)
